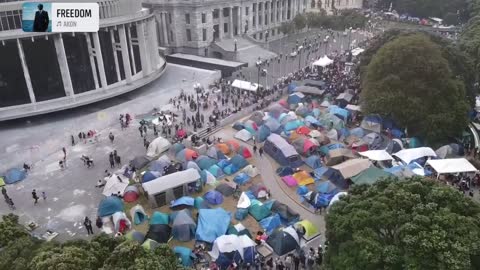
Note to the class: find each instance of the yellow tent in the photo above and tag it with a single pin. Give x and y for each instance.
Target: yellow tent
(2, 182)
(303, 178)
(310, 229)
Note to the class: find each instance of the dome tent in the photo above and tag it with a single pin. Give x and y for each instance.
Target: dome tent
(213, 197)
(138, 214)
(283, 241)
(110, 205)
(14, 175)
(131, 194)
(183, 225)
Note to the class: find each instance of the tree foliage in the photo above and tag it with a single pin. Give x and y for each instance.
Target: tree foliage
(287, 28)
(411, 82)
(346, 19)
(300, 21)
(10, 230)
(404, 225)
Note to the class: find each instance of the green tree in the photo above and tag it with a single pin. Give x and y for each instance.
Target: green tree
(287, 28)
(412, 224)
(64, 258)
(430, 8)
(10, 230)
(410, 81)
(300, 21)
(17, 254)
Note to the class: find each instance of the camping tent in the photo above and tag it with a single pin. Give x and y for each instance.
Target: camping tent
(289, 180)
(283, 241)
(408, 155)
(14, 175)
(327, 187)
(225, 189)
(121, 222)
(200, 203)
(250, 170)
(280, 150)
(272, 124)
(138, 215)
(244, 201)
(323, 62)
(372, 123)
(295, 98)
(270, 223)
(310, 229)
(159, 218)
(135, 236)
(177, 147)
(216, 171)
(160, 233)
(150, 175)
(214, 153)
(185, 201)
(164, 186)
(337, 197)
(193, 165)
(115, 185)
(241, 178)
(160, 164)
(259, 191)
(212, 223)
(130, 194)
(286, 213)
(452, 165)
(284, 171)
(223, 147)
(244, 85)
(110, 205)
(186, 154)
(244, 152)
(338, 155)
(352, 167)
(183, 225)
(185, 255)
(370, 176)
(158, 146)
(150, 245)
(207, 177)
(376, 155)
(205, 162)
(213, 197)
(303, 178)
(331, 174)
(258, 211)
(139, 162)
(257, 117)
(243, 135)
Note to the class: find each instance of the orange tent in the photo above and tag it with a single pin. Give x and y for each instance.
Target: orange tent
(234, 146)
(303, 178)
(223, 148)
(303, 130)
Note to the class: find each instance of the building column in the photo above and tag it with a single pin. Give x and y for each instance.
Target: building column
(256, 16)
(284, 10)
(63, 64)
(26, 73)
(142, 44)
(220, 23)
(240, 28)
(158, 19)
(98, 55)
(154, 43)
(230, 22)
(92, 61)
(274, 11)
(125, 57)
(164, 28)
(129, 37)
(115, 57)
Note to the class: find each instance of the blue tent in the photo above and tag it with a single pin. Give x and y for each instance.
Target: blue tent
(177, 147)
(241, 178)
(331, 174)
(357, 132)
(185, 255)
(272, 124)
(223, 163)
(238, 126)
(269, 224)
(159, 218)
(213, 197)
(183, 225)
(193, 165)
(183, 201)
(302, 190)
(313, 162)
(293, 125)
(323, 200)
(327, 187)
(109, 206)
(14, 175)
(138, 214)
(295, 98)
(291, 87)
(284, 171)
(241, 213)
(316, 112)
(311, 120)
(230, 169)
(214, 153)
(212, 223)
(239, 161)
(268, 204)
(263, 133)
(327, 148)
(205, 162)
(150, 175)
(216, 171)
(159, 165)
(339, 112)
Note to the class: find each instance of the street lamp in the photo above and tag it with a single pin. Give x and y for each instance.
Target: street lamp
(259, 66)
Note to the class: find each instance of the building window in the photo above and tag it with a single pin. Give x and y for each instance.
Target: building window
(10, 20)
(216, 13)
(204, 34)
(254, 22)
(171, 36)
(254, 8)
(204, 18)
(226, 12)
(260, 36)
(187, 18)
(225, 28)
(189, 35)
(246, 11)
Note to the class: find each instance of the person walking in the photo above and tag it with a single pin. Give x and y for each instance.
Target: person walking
(111, 160)
(72, 139)
(260, 151)
(111, 137)
(99, 222)
(4, 193)
(140, 128)
(254, 148)
(44, 196)
(296, 262)
(64, 153)
(117, 158)
(88, 225)
(35, 196)
(145, 130)
(10, 203)
(146, 143)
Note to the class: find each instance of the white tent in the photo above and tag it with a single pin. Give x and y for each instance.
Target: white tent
(377, 155)
(354, 108)
(325, 104)
(323, 62)
(225, 244)
(158, 146)
(336, 198)
(117, 218)
(407, 155)
(243, 135)
(357, 51)
(115, 184)
(244, 85)
(352, 167)
(210, 178)
(250, 170)
(451, 165)
(244, 201)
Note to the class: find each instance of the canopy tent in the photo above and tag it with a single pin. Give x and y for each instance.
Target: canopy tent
(243, 135)
(408, 155)
(244, 85)
(310, 90)
(110, 205)
(314, 83)
(131, 194)
(121, 222)
(138, 215)
(352, 167)
(14, 175)
(115, 185)
(376, 155)
(370, 176)
(452, 165)
(339, 155)
(323, 62)
(139, 162)
(183, 225)
(158, 146)
(212, 223)
(283, 241)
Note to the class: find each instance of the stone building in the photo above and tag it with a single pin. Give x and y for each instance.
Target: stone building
(45, 72)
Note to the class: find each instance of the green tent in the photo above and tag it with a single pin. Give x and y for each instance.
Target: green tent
(259, 211)
(369, 176)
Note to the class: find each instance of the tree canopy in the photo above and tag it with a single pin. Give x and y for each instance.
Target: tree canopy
(404, 225)
(409, 81)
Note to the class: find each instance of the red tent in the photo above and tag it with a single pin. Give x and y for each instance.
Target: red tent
(244, 152)
(303, 130)
(130, 194)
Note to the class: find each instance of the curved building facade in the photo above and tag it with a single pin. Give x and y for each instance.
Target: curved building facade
(45, 72)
